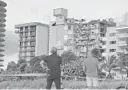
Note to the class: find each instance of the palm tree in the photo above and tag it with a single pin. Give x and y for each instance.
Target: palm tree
(123, 62)
(109, 65)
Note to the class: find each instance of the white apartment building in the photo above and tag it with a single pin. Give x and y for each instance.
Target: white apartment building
(111, 42)
(122, 36)
(115, 41)
(33, 41)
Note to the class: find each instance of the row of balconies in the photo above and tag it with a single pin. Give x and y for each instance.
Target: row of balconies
(25, 57)
(122, 35)
(28, 30)
(27, 34)
(31, 45)
(27, 39)
(27, 50)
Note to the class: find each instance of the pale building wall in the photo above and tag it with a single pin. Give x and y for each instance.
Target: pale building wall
(56, 37)
(109, 38)
(41, 40)
(122, 36)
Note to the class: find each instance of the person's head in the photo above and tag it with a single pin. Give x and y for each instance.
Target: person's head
(95, 52)
(54, 50)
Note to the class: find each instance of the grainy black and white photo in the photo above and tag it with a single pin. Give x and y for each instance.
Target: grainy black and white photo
(64, 44)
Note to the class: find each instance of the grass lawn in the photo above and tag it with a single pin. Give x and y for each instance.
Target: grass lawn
(41, 83)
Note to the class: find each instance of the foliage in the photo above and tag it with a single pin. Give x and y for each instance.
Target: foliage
(35, 63)
(123, 62)
(21, 65)
(28, 69)
(123, 59)
(74, 68)
(2, 71)
(109, 65)
(12, 66)
(68, 56)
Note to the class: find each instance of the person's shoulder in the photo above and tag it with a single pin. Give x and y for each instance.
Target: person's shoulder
(59, 56)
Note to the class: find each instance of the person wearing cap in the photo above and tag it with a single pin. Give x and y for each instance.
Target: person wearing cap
(54, 70)
(90, 67)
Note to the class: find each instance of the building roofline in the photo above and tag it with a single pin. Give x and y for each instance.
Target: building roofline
(30, 24)
(122, 27)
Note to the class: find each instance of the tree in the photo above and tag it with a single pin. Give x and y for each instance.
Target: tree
(12, 66)
(35, 63)
(2, 71)
(123, 62)
(21, 65)
(68, 56)
(123, 59)
(109, 65)
(28, 69)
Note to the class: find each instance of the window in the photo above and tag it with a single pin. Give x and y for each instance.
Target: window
(69, 27)
(112, 42)
(32, 43)
(26, 28)
(112, 50)
(26, 34)
(21, 44)
(25, 44)
(33, 27)
(112, 34)
(21, 29)
(33, 33)
(102, 35)
(21, 34)
(32, 53)
(102, 30)
(104, 42)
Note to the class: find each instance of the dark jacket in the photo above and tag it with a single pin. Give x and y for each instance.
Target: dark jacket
(53, 62)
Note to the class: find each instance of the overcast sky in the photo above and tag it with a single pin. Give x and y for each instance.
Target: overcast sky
(21, 11)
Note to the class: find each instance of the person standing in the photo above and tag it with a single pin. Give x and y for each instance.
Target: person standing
(90, 67)
(54, 70)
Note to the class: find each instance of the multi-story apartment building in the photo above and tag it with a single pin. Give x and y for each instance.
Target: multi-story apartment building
(111, 42)
(107, 38)
(115, 42)
(122, 37)
(33, 41)
(2, 29)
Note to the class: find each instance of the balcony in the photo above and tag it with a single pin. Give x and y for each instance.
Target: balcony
(33, 34)
(32, 30)
(122, 43)
(122, 29)
(123, 35)
(31, 39)
(30, 50)
(2, 45)
(2, 40)
(31, 45)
